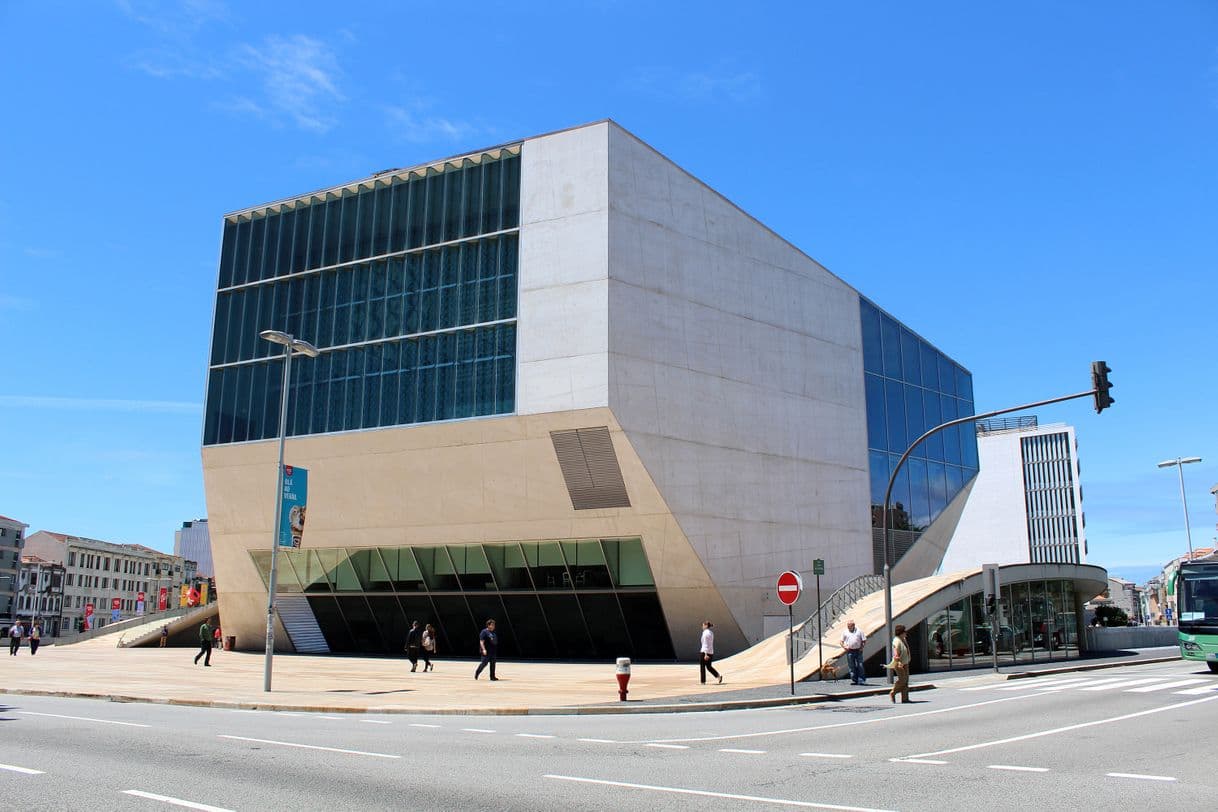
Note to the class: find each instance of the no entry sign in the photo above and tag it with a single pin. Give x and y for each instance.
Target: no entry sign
(790, 585)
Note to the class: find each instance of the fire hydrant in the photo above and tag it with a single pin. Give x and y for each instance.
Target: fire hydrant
(623, 677)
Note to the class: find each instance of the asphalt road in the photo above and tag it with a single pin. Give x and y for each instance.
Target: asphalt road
(1076, 741)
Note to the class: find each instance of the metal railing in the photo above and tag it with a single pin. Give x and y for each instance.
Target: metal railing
(998, 424)
(830, 611)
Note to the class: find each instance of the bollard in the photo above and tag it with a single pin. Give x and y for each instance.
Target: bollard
(623, 677)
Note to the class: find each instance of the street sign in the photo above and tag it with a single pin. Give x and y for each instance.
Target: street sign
(790, 585)
(818, 566)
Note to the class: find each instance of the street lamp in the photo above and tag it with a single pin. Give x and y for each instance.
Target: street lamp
(1179, 463)
(291, 346)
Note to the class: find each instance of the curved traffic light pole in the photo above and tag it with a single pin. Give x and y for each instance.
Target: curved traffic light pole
(888, 562)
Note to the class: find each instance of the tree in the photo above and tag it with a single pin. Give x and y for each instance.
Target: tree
(1111, 616)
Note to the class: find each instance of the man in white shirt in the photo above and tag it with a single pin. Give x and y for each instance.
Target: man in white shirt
(708, 653)
(852, 641)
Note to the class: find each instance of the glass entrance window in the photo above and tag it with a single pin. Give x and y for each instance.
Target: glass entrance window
(547, 565)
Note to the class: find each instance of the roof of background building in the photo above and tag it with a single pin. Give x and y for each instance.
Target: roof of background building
(23, 524)
(134, 548)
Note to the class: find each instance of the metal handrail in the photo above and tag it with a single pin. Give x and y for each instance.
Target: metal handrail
(830, 611)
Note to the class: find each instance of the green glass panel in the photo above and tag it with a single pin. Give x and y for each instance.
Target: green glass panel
(361, 562)
(345, 579)
(547, 565)
(632, 567)
(437, 569)
(508, 565)
(473, 569)
(287, 577)
(378, 571)
(262, 562)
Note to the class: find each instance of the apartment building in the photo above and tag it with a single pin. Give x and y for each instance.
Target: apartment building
(12, 538)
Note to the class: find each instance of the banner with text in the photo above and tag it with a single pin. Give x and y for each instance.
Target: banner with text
(295, 493)
(139, 603)
(162, 599)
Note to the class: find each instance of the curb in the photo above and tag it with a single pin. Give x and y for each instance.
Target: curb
(571, 710)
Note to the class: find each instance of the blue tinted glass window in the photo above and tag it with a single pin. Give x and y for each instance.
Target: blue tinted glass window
(317, 233)
(349, 228)
(951, 437)
(900, 494)
(364, 223)
(894, 398)
(228, 250)
(955, 481)
(301, 235)
(947, 376)
(877, 462)
(241, 252)
(434, 221)
(287, 236)
(877, 429)
(937, 479)
(333, 231)
(891, 337)
(511, 192)
(911, 363)
(919, 493)
(964, 385)
(873, 357)
(915, 422)
(929, 361)
(492, 197)
(257, 246)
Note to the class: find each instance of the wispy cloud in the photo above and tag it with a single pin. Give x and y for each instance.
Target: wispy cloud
(698, 86)
(299, 77)
(413, 123)
(175, 19)
(43, 253)
(99, 404)
(16, 303)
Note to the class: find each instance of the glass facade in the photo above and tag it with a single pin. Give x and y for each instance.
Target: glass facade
(407, 284)
(911, 387)
(565, 599)
(1038, 624)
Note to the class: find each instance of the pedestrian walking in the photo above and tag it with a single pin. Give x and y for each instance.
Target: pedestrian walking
(414, 641)
(164, 636)
(204, 644)
(852, 641)
(488, 645)
(35, 638)
(707, 654)
(429, 647)
(899, 665)
(14, 638)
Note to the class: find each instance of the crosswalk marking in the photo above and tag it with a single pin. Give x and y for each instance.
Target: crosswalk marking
(1164, 686)
(1205, 689)
(1085, 683)
(1109, 686)
(1036, 685)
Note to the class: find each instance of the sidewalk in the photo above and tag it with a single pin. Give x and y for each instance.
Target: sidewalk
(98, 669)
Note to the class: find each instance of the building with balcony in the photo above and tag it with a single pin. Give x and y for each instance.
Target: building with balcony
(12, 542)
(40, 594)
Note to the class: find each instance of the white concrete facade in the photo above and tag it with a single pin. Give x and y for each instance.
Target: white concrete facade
(995, 527)
(731, 359)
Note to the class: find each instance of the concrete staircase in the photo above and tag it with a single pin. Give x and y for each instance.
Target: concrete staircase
(301, 624)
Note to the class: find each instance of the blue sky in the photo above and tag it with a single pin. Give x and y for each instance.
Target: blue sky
(1030, 187)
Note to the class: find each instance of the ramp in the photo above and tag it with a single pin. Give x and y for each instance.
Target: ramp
(149, 633)
(301, 624)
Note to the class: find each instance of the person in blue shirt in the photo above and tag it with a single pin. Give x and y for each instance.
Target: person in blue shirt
(488, 643)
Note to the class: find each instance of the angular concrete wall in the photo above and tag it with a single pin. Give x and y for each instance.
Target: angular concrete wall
(735, 371)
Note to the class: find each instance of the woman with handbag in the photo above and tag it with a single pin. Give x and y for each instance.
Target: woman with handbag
(429, 646)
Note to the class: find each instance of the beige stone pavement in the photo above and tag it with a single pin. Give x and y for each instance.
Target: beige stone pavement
(98, 668)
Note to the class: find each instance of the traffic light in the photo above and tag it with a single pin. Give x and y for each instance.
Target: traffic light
(1100, 385)
(991, 605)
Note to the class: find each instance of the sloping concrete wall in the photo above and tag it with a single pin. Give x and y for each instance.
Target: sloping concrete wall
(735, 371)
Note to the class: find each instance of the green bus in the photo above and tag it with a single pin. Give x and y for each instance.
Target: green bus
(1197, 603)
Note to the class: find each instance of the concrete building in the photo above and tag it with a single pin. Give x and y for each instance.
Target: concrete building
(12, 541)
(1026, 504)
(40, 597)
(102, 578)
(564, 384)
(193, 543)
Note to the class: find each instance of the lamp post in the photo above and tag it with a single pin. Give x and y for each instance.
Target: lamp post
(1179, 463)
(291, 346)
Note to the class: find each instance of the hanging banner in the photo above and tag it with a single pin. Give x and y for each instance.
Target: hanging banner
(162, 599)
(139, 604)
(295, 493)
(88, 624)
(184, 596)
(116, 608)
(202, 593)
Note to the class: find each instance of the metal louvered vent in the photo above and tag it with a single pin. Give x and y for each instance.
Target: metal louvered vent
(589, 466)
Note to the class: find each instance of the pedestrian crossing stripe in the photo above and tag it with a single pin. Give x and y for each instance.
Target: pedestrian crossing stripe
(1141, 685)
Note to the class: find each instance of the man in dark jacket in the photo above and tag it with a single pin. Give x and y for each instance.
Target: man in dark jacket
(414, 640)
(204, 644)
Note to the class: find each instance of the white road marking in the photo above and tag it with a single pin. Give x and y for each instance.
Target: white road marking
(1112, 686)
(1017, 769)
(84, 719)
(1065, 729)
(420, 724)
(1088, 683)
(1142, 777)
(242, 710)
(1011, 685)
(598, 741)
(826, 755)
(165, 799)
(1164, 686)
(375, 722)
(896, 717)
(330, 718)
(289, 713)
(668, 746)
(744, 752)
(1197, 691)
(916, 761)
(15, 769)
(308, 746)
(476, 730)
(706, 794)
(534, 735)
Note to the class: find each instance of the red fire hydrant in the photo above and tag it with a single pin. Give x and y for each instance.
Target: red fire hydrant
(623, 677)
